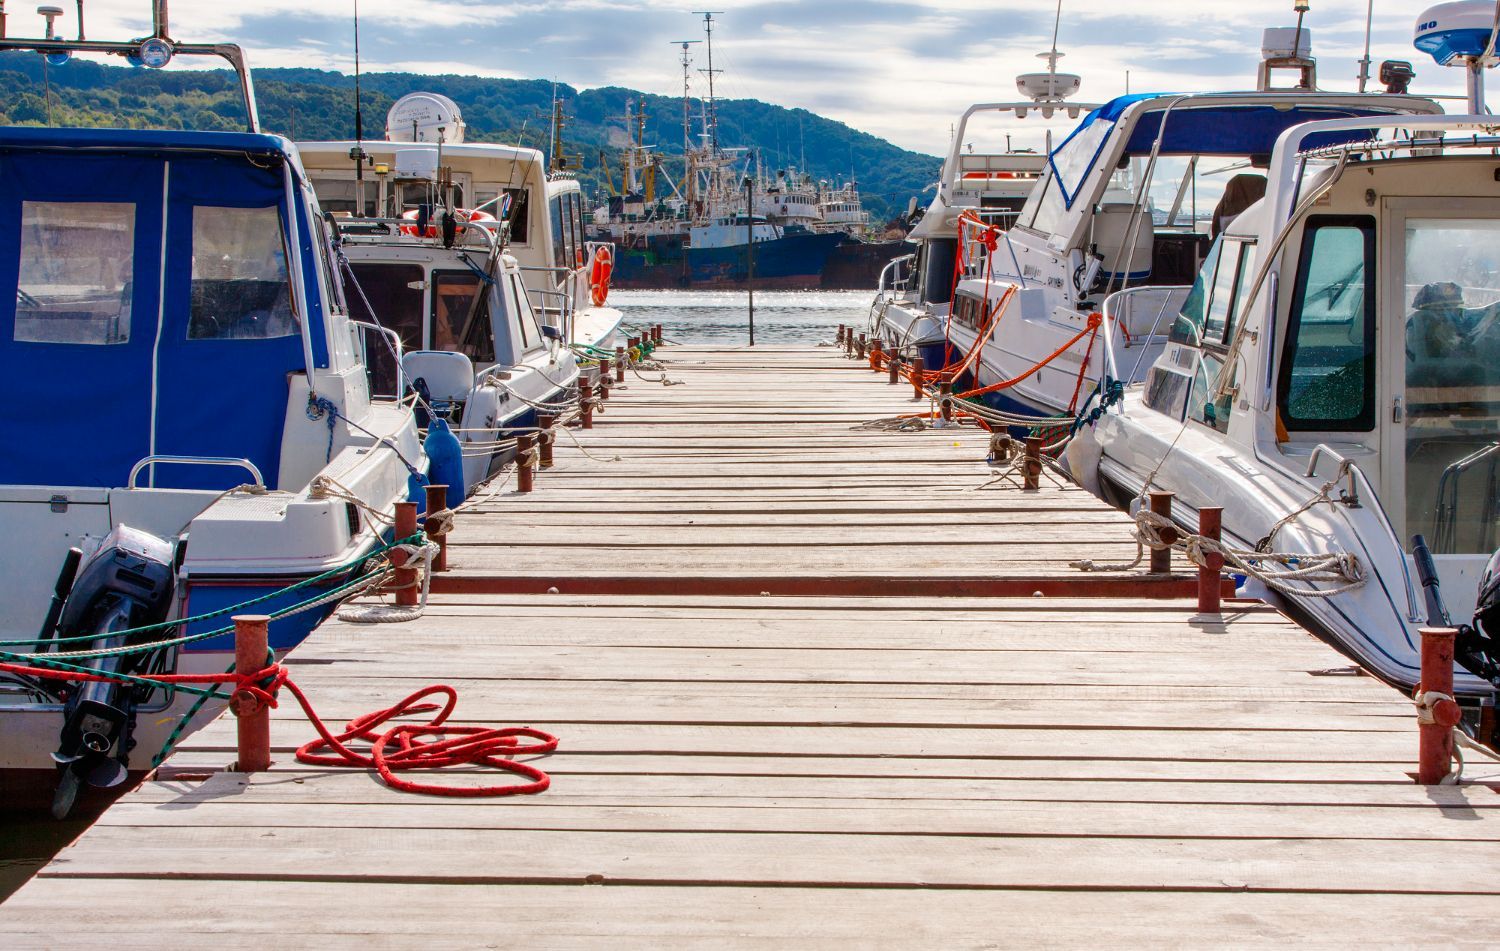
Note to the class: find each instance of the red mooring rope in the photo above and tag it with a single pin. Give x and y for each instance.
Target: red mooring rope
(400, 748)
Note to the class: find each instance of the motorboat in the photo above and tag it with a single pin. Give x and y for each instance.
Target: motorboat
(915, 291)
(1332, 382)
(193, 434)
(461, 328)
(496, 193)
(1115, 231)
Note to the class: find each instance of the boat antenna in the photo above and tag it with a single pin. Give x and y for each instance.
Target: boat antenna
(1301, 8)
(2, 19)
(1052, 56)
(358, 152)
(710, 72)
(1364, 64)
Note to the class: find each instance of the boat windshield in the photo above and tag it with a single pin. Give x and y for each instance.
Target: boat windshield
(1452, 378)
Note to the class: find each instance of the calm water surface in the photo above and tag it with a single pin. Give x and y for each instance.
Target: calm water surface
(28, 840)
(720, 317)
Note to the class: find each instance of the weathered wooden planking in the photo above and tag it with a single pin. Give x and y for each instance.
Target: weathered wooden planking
(338, 914)
(942, 771)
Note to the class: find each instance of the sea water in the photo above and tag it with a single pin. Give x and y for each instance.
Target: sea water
(722, 318)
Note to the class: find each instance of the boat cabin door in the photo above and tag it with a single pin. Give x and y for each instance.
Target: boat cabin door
(1440, 347)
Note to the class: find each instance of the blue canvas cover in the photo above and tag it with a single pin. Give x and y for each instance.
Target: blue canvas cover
(83, 414)
(1208, 127)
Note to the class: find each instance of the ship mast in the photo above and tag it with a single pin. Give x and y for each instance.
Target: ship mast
(687, 121)
(711, 104)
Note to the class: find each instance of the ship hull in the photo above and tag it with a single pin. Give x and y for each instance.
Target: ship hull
(856, 265)
(791, 262)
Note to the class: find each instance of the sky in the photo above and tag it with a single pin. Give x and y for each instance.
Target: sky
(901, 69)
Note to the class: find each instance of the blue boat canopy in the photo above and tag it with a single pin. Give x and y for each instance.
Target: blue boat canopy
(1209, 126)
(148, 305)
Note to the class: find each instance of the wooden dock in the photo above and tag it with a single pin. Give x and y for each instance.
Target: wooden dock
(801, 705)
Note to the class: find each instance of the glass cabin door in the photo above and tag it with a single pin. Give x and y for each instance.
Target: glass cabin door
(1441, 332)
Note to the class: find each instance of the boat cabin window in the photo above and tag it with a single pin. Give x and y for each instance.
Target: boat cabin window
(566, 212)
(453, 294)
(1068, 168)
(240, 288)
(531, 334)
(1327, 381)
(1207, 316)
(77, 263)
(397, 305)
(1452, 383)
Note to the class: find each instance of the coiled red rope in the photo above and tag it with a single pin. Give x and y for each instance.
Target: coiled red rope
(402, 747)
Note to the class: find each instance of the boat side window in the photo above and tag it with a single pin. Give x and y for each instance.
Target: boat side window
(330, 266)
(520, 215)
(554, 213)
(452, 300)
(531, 334)
(77, 270)
(1451, 427)
(1221, 304)
(397, 306)
(1188, 327)
(240, 288)
(1327, 380)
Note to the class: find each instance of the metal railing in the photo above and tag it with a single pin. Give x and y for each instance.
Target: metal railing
(245, 464)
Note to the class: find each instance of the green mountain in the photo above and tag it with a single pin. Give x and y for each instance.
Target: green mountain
(316, 104)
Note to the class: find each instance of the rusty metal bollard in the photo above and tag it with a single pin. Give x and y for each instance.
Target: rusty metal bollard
(619, 364)
(585, 404)
(1210, 522)
(945, 400)
(1031, 465)
(253, 726)
(544, 422)
(405, 579)
(1438, 712)
(859, 347)
(893, 367)
(525, 475)
(918, 374)
(840, 339)
(1161, 559)
(437, 501)
(877, 352)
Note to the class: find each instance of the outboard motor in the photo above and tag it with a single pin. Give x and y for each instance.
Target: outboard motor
(1477, 646)
(127, 583)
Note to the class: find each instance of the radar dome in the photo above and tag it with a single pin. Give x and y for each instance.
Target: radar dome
(1455, 32)
(420, 116)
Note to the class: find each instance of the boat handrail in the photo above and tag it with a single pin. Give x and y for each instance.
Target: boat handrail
(150, 460)
(1322, 449)
(352, 229)
(399, 352)
(1110, 308)
(159, 43)
(893, 264)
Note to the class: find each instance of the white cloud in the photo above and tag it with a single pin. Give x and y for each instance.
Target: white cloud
(901, 69)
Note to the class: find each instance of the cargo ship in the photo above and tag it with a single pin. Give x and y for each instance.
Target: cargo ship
(701, 233)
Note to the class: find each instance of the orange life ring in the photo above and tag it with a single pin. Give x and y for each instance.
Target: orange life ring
(461, 215)
(603, 267)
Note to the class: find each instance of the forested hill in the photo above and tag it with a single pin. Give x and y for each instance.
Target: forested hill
(316, 104)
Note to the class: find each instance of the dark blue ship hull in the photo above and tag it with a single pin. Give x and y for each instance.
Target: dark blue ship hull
(794, 261)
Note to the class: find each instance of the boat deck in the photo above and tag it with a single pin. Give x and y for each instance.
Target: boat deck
(812, 766)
